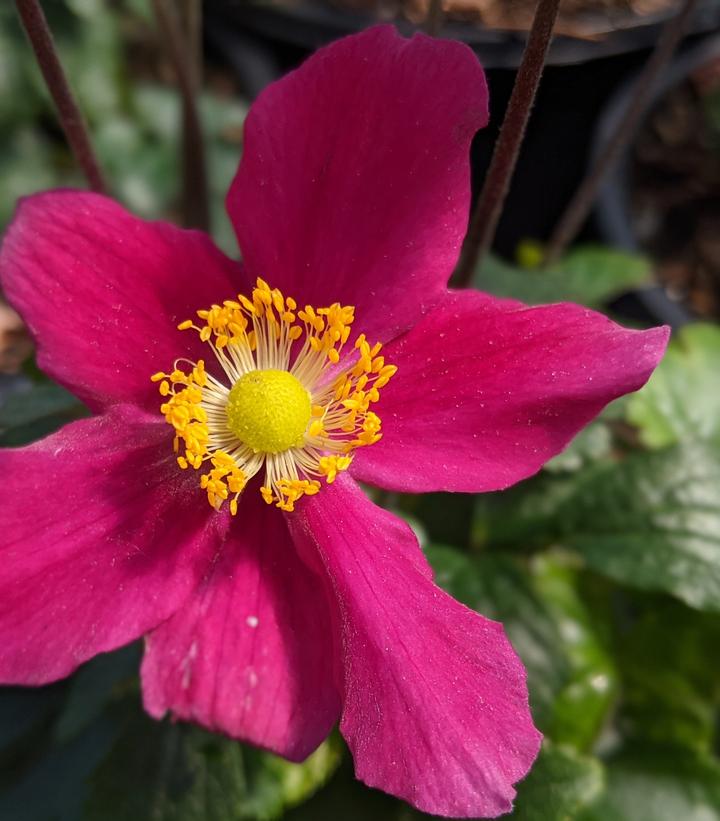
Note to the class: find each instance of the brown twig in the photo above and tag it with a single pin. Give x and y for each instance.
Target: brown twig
(582, 201)
(196, 212)
(497, 182)
(434, 18)
(71, 119)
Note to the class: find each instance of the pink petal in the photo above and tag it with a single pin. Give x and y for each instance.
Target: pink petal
(103, 537)
(252, 654)
(354, 183)
(488, 390)
(102, 292)
(435, 703)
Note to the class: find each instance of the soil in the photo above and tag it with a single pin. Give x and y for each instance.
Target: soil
(587, 19)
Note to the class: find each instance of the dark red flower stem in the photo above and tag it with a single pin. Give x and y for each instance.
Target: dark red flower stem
(181, 48)
(584, 198)
(497, 182)
(434, 18)
(71, 119)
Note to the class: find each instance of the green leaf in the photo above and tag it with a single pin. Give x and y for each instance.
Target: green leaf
(651, 521)
(681, 401)
(670, 692)
(445, 517)
(23, 709)
(178, 772)
(54, 787)
(25, 166)
(656, 783)
(589, 275)
(582, 706)
(92, 687)
(38, 401)
(28, 415)
(560, 783)
(591, 444)
(525, 516)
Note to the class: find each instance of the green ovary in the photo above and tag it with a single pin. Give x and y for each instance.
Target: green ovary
(269, 411)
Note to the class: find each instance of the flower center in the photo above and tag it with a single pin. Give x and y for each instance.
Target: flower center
(285, 394)
(269, 411)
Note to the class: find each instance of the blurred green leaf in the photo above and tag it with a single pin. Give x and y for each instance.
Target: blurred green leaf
(560, 783)
(23, 709)
(655, 783)
(28, 415)
(54, 787)
(651, 521)
(670, 692)
(590, 275)
(682, 399)
(39, 400)
(583, 704)
(344, 798)
(26, 165)
(178, 772)
(445, 517)
(91, 689)
(526, 516)
(591, 444)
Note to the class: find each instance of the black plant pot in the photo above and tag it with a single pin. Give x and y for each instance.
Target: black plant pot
(613, 212)
(262, 41)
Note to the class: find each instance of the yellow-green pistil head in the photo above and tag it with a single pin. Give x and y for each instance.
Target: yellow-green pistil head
(277, 405)
(269, 411)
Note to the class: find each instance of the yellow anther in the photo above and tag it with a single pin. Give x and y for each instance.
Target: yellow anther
(246, 303)
(316, 429)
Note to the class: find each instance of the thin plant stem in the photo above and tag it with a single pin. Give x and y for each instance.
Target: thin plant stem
(195, 205)
(69, 114)
(434, 18)
(192, 23)
(584, 198)
(484, 220)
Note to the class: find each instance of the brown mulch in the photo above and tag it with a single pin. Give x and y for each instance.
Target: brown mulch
(587, 19)
(15, 343)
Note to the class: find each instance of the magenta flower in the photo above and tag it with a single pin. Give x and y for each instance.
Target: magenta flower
(291, 601)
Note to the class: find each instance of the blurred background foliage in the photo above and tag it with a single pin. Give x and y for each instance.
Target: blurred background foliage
(604, 568)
